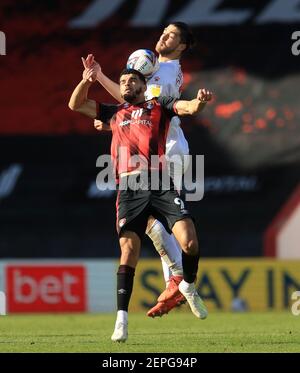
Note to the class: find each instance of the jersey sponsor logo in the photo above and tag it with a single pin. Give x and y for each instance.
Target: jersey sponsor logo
(136, 114)
(144, 122)
(125, 123)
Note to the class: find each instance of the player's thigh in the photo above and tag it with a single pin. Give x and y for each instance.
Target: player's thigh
(132, 211)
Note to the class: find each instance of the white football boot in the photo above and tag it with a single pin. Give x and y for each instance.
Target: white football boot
(120, 333)
(195, 302)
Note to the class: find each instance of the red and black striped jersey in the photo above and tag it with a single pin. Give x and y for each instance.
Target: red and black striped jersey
(138, 132)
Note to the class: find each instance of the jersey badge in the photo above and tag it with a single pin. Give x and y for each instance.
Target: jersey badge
(155, 90)
(150, 105)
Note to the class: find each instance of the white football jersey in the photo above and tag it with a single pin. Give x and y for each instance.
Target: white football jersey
(167, 81)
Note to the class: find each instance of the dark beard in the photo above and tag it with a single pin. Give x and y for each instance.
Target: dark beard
(163, 51)
(166, 52)
(131, 97)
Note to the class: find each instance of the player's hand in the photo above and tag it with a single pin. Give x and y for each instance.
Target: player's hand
(97, 69)
(90, 63)
(100, 126)
(204, 95)
(89, 75)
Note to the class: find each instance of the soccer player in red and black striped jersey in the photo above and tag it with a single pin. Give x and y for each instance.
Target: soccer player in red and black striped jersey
(175, 40)
(139, 130)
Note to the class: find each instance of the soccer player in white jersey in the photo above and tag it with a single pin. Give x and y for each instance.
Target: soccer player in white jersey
(167, 81)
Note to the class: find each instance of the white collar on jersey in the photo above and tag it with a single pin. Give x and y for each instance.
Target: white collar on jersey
(175, 62)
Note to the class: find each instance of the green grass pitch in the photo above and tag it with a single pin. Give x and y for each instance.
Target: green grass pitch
(178, 332)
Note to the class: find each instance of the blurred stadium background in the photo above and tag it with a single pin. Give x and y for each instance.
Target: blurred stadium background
(58, 247)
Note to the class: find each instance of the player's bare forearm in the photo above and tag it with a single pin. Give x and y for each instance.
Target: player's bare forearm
(94, 68)
(194, 106)
(79, 95)
(111, 87)
(189, 107)
(80, 102)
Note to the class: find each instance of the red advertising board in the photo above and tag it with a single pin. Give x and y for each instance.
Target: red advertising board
(42, 288)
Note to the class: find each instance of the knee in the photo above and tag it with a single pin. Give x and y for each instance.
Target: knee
(190, 247)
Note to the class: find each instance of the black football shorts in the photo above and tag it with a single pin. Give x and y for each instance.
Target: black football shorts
(135, 206)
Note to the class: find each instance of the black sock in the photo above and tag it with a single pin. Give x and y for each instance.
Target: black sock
(125, 276)
(190, 267)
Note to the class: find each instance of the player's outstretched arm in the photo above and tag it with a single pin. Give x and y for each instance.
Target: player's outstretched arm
(111, 87)
(79, 100)
(101, 126)
(193, 107)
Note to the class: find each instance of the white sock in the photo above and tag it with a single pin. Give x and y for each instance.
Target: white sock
(187, 287)
(166, 269)
(122, 316)
(168, 248)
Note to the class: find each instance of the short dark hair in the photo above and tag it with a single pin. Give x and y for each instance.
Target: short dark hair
(135, 72)
(186, 35)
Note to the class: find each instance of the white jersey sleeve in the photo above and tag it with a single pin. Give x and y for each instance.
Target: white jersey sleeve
(167, 81)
